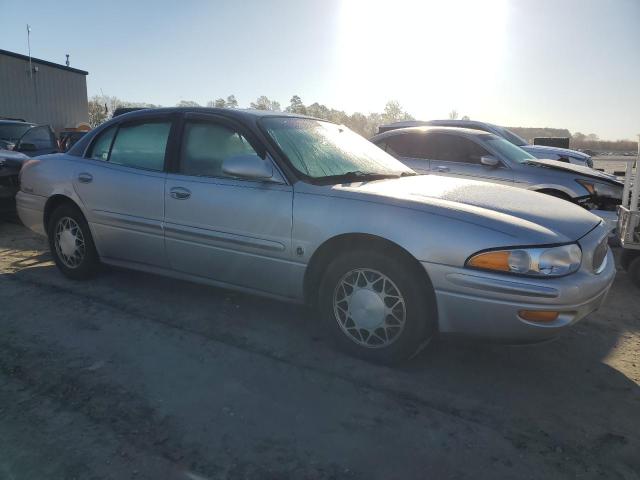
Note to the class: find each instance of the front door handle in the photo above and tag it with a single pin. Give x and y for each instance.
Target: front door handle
(442, 169)
(179, 193)
(85, 178)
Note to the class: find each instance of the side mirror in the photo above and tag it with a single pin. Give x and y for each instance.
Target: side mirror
(251, 167)
(26, 147)
(489, 161)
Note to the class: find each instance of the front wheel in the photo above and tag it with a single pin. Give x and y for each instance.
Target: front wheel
(377, 306)
(71, 243)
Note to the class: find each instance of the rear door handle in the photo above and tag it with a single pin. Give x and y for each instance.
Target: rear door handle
(442, 169)
(179, 193)
(85, 178)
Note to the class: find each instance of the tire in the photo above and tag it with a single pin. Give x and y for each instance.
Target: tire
(74, 252)
(388, 335)
(634, 271)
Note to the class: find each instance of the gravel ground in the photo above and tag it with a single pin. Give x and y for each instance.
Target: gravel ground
(135, 376)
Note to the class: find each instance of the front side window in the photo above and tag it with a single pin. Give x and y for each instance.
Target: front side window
(320, 150)
(453, 148)
(102, 145)
(205, 146)
(141, 145)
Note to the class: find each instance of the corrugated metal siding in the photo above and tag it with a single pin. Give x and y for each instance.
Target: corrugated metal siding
(54, 96)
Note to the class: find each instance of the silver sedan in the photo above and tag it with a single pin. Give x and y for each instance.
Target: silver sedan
(305, 210)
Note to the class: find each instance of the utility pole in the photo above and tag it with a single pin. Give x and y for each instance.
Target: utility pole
(29, 48)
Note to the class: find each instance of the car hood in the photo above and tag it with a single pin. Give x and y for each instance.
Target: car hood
(579, 169)
(543, 149)
(529, 217)
(9, 158)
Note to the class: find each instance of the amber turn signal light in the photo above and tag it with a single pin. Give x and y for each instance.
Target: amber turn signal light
(539, 316)
(498, 260)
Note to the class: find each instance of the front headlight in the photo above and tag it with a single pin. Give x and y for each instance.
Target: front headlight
(539, 262)
(602, 189)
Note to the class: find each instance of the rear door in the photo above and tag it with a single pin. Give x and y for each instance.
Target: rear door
(224, 228)
(121, 183)
(458, 156)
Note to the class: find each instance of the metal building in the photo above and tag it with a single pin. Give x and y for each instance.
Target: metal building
(50, 94)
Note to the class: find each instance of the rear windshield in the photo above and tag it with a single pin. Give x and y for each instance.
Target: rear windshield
(13, 131)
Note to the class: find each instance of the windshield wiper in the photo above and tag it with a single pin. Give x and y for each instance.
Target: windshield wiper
(358, 176)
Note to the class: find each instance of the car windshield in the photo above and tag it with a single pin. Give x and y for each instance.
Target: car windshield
(511, 137)
(508, 149)
(326, 151)
(11, 132)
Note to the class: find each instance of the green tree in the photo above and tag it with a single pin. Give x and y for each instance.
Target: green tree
(296, 106)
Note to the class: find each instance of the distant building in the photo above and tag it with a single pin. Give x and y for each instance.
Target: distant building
(51, 94)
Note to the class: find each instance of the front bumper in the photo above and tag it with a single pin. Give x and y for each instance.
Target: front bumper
(486, 304)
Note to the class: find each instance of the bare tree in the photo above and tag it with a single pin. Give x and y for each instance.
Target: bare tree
(187, 103)
(263, 103)
(453, 114)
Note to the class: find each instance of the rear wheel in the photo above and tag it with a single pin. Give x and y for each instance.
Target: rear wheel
(377, 306)
(71, 243)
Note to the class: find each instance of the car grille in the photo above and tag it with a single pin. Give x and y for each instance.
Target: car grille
(599, 254)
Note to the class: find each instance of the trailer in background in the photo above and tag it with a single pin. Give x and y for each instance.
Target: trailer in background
(629, 220)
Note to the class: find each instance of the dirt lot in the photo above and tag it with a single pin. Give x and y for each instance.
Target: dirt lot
(135, 376)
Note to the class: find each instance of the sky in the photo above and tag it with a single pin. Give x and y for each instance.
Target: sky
(534, 63)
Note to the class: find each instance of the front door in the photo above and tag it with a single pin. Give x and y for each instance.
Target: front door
(121, 185)
(457, 156)
(226, 229)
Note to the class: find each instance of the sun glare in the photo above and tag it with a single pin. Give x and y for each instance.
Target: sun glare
(432, 55)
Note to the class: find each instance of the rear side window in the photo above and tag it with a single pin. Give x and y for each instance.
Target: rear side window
(102, 145)
(141, 145)
(206, 146)
(405, 145)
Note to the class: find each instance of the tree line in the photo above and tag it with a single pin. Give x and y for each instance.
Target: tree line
(101, 108)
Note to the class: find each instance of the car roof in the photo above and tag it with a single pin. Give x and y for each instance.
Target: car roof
(230, 112)
(15, 122)
(469, 132)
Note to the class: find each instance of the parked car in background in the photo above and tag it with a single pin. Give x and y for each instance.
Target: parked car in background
(68, 138)
(479, 155)
(28, 138)
(10, 164)
(538, 151)
(308, 211)
(19, 140)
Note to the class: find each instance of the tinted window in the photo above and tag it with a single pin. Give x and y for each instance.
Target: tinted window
(206, 145)
(40, 137)
(11, 132)
(101, 146)
(141, 145)
(453, 148)
(405, 145)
